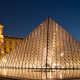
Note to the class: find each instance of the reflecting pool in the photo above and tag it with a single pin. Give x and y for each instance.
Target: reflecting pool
(39, 73)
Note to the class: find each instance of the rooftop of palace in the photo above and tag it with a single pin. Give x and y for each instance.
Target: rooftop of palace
(13, 37)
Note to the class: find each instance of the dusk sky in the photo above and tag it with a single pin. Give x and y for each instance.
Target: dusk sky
(20, 17)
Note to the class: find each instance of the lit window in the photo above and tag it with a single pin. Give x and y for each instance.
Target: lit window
(5, 50)
(10, 49)
(10, 42)
(16, 43)
(1, 33)
(4, 42)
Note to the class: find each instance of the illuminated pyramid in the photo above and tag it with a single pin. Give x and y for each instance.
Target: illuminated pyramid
(47, 46)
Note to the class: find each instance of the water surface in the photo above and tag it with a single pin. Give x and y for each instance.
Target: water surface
(39, 73)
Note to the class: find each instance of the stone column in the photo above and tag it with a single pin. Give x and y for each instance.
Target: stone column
(1, 39)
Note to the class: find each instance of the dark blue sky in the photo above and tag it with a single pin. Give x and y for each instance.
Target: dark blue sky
(20, 17)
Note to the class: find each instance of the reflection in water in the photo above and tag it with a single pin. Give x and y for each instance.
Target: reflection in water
(39, 73)
(61, 75)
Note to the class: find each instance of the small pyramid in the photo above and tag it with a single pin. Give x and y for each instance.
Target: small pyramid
(47, 46)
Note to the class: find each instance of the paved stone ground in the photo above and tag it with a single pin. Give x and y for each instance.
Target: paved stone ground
(4, 78)
(7, 78)
(11, 79)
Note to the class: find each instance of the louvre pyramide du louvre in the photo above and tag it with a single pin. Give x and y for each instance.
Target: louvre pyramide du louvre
(47, 46)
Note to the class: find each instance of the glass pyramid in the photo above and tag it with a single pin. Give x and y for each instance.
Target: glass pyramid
(47, 46)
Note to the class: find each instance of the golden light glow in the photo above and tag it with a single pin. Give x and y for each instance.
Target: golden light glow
(47, 46)
(62, 54)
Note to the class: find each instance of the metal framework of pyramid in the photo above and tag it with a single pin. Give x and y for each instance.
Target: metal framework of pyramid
(47, 46)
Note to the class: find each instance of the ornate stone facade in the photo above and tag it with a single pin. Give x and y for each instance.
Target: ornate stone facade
(10, 42)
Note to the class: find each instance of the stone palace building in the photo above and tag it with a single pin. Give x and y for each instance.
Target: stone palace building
(7, 43)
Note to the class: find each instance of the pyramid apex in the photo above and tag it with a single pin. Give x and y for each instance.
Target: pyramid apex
(48, 17)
